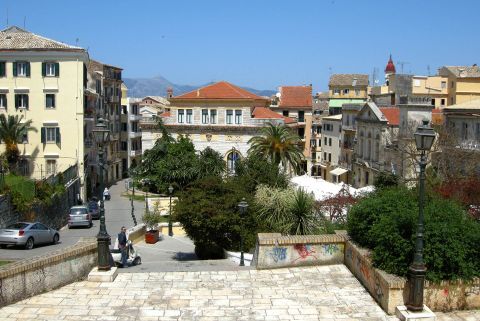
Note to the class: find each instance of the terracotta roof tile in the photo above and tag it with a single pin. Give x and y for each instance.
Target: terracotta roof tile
(165, 114)
(295, 96)
(15, 38)
(265, 113)
(289, 120)
(219, 90)
(392, 114)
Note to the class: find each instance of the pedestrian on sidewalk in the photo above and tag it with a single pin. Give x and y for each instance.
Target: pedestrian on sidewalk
(122, 245)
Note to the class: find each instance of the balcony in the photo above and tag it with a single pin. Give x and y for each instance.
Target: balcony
(148, 120)
(135, 117)
(134, 153)
(134, 134)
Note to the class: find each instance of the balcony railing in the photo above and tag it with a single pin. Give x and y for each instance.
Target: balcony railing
(135, 117)
(134, 134)
(134, 153)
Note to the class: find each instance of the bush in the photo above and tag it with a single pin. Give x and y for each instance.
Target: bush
(386, 220)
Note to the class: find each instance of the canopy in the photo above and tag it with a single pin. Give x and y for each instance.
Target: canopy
(338, 171)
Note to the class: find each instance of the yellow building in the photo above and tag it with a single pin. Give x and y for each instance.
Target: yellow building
(346, 89)
(463, 83)
(43, 80)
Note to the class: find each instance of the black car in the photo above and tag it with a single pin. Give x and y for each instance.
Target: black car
(93, 210)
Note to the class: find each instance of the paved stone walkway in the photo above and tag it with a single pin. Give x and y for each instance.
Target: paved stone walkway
(324, 293)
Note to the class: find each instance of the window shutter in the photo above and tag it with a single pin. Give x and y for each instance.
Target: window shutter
(2, 69)
(44, 69)
(26, 101)
(17, 101)
(14, 64)
(43, 134)
(57, 69)
(57, 135)
(28, 69)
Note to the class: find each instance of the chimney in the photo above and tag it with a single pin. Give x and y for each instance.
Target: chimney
(169, 92)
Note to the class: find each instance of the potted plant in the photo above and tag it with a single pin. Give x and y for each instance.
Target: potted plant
(151, 219)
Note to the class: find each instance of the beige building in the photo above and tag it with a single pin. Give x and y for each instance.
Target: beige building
(330, 142)
(152, 107)
(43, 80)
(221, 116)
(346, 89)
(463, 83)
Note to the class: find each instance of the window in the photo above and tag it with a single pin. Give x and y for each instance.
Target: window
(442, 102)
(443, 84)
(324, 156)
(50, 135)
(238, 117)
(433, 101)
(50, 69)
(346, 91)
(329, 142)
(98, 86)
(325, 141)
(357, 92)
(213, 116)
(50, 100)
(3, 70)
(416, 82)
(451, 100)
(21, 101)
(180, 116)
(330, 157)
(464, 131)
(336, 91)
(21, 69)
(204, 116)
(232, 159)
(188, 120)
(3, 101)
(452, 84)
(124, 146)
(301, 116)
(229, 116)
(51, 167)
(285, 113)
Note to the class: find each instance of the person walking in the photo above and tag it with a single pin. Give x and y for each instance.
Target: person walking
(122, 245)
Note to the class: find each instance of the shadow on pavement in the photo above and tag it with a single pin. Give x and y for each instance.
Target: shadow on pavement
(182, 256)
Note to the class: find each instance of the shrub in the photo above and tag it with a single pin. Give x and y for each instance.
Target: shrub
(386, 223)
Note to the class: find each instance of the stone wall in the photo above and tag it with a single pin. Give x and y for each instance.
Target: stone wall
(53, 215)
(25, 278)
(274, 250)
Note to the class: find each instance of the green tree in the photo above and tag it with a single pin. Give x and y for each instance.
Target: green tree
(279, 145)
(385, 179)
(12, 131)
(210, 163)
(207, 210)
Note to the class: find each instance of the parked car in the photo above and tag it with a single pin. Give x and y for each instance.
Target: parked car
(28, 234)
(94, 210)
(79, 216)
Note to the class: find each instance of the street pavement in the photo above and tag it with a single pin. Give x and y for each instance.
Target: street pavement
(326, 293)
(117, 214)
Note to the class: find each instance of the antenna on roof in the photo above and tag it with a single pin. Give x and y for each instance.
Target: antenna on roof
(7, 15)
(428, 70)
(24, 20)
(76, 42)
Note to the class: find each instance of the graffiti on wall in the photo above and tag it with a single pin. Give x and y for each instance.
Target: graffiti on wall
(304, 252)
(278, 254)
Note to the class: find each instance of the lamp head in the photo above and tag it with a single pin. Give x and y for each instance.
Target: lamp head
(424, 137)
(170, 189)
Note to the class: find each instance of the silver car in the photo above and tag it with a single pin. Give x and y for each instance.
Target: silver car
(28, 234)
(79, 216)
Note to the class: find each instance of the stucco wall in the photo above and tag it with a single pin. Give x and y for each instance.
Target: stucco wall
(29, 277)
(275, 251)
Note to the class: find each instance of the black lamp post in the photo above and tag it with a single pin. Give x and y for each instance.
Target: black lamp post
(146, 181)
(131, 203)
(424, 137)
(103, 239)
(242, 206)
(170, 227)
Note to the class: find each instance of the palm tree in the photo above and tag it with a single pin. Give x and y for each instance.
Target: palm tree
(279, 145)
(12, 131)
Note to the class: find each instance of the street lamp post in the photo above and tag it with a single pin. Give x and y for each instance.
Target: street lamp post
(103, 239)
(131, 203)
(242, 206)
(146, 195)
(170, 227)
(424, 137)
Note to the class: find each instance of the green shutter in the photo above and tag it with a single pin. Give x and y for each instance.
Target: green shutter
(57, 69)
(26, 101)
(57, 135)
(28, 69)
(2, 69)
(17, 101)
(14, 64)
(44, 69)
(43, 134)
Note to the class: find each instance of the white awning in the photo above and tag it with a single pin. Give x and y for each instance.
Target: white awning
(338, 171)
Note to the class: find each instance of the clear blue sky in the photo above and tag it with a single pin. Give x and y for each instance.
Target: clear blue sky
(259, 43)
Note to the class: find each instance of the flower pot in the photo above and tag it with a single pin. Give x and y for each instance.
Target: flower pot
(151, 237)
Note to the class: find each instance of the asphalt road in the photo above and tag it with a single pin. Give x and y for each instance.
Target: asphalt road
(117, 214)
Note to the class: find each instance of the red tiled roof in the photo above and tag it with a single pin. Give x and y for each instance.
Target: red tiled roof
(392, 114)
(295, 96)
(219, 90)
(265, 113)
(390, 68)
(289, 120)
(165, 114)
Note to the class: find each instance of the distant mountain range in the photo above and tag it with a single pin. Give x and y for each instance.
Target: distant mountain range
(157, 86)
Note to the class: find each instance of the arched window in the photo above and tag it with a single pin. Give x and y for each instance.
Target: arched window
(232, 158)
